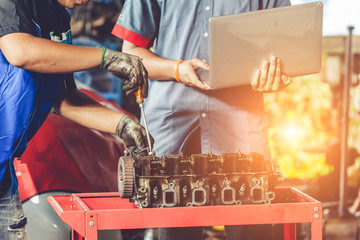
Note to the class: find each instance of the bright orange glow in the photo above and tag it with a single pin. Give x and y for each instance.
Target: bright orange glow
(292, 132)
(300, 127)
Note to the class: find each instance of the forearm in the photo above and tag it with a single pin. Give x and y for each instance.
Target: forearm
(158, 68)
(82, 109)
(45, 56)
(164, 69)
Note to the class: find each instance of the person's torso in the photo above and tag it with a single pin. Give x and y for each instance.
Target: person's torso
(183, 33)
(183, 29)
(26, 96)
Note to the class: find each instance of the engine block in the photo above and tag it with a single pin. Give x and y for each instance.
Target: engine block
(197, 180)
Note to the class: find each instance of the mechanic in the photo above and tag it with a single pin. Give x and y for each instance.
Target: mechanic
(36, 66)
(179, 104)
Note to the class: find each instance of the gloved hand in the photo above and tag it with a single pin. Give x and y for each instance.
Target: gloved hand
(133, 135)
(128, 68)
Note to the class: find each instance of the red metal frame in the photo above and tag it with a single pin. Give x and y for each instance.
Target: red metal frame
(86, 213)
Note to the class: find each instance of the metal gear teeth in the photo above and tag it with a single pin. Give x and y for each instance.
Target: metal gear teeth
(125, 177)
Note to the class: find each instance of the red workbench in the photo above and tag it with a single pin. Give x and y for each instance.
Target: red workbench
(86, 213)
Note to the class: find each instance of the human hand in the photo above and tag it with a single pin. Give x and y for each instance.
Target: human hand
(270, 77)
(133, 135)
(129, 69)
(187, 72)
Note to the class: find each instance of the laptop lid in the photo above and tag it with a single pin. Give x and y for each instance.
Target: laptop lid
(239, 43)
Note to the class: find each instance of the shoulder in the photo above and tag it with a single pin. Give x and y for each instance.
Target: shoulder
(14, 6)
(16, 16)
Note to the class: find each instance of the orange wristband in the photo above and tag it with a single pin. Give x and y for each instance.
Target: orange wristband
(176, 70)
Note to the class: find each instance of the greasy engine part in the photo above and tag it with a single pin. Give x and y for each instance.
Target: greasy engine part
(198, 180)
(126, 177)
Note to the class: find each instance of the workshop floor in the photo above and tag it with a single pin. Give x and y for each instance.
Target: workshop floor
(344, 229)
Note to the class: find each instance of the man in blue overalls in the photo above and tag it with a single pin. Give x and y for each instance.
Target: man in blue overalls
(36, 66)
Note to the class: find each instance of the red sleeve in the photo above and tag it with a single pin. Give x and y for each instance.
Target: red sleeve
(131, 36)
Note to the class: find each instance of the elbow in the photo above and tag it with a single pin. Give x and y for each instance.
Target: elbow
(18, 49)
(16, 52)
(60, 102)
(18, 62)
(17, 59)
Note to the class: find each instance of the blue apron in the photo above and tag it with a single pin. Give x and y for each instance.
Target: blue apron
(26, 99)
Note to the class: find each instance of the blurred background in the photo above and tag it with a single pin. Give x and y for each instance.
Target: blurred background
(309, 121)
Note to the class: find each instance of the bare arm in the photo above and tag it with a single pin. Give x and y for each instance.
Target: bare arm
(82, 109)
(158, 68)
(41, 55)
(163, 69)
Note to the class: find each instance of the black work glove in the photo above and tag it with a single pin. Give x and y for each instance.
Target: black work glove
(128, 68)
(133, 135)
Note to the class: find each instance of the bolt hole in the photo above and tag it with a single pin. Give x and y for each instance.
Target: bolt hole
(271, 195)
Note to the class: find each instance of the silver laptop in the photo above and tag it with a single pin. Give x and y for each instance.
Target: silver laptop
(240, 43)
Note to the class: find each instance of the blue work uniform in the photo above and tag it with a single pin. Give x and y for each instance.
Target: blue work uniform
(229, 119)
(27, 97)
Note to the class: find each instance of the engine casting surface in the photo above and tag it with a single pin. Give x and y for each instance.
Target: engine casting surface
(197, 180)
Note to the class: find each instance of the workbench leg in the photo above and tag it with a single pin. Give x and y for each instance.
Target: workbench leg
(91, 227)
(75, 235)
(290, 231)
(317, 229)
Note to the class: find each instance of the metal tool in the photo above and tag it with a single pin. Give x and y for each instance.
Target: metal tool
(140, 101)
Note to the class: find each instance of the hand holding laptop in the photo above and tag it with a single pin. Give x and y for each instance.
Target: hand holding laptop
(270, 77)
(186, 72)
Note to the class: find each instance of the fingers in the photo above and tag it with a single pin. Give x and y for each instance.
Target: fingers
(143, 131)
(193, 80)
(131, 85)
(277, 80)
(271, 74)
(270, 77)
(197, 63)
(256, 80)
(286, 80)
(142, 143)
(137, 77)
(144, 82)
(134, 136)
(129, 68)
(140, 139)
(264, 74)
(187, 73)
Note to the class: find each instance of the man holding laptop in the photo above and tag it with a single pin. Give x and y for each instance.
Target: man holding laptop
(179, 104)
